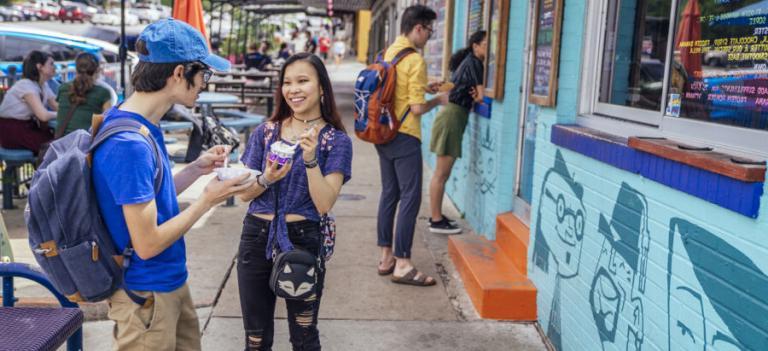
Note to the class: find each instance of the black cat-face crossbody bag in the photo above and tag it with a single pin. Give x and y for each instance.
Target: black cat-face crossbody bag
(294, 273)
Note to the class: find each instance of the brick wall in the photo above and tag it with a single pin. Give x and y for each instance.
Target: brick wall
(623, 263)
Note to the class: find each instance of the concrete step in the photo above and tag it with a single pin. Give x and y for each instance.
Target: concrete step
(498, 289)
(512, 236)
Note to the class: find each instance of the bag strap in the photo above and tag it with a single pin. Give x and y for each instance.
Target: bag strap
(402, 54)
(399, 57)
(129, 125)
(65, 123)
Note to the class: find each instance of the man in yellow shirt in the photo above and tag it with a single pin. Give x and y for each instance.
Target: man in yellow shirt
(400, 160)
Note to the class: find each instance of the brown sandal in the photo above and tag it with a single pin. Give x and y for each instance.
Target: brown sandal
(389, 270)
(410, 279)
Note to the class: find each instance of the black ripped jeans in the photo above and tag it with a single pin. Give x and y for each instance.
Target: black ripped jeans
(257, 300)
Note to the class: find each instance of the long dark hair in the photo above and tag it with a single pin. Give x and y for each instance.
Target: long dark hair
(475, 38)
(86, 65)
(328, 109)
(29, 66)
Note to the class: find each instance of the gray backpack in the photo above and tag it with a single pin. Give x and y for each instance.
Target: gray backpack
(66, 231)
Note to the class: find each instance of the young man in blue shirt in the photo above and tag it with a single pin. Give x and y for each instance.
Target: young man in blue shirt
(173, 68)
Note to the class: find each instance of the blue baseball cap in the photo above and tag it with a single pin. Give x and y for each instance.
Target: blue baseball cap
(171, 41)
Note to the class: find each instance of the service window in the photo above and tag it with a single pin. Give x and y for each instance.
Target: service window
(689, 67)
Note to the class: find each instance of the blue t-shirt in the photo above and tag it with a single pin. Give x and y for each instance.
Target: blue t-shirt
(124, 174)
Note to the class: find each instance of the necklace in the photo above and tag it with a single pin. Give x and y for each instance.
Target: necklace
(310, 122)
(307, 124)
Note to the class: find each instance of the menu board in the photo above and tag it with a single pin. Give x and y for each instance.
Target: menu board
(546, 50)
(497, 15)
(720, 68)
(438, 49)
(475, 17)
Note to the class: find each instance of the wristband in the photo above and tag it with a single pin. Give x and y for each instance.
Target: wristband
(311, 164)
(262, 182)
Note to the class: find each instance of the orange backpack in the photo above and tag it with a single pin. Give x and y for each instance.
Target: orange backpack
(375, 119)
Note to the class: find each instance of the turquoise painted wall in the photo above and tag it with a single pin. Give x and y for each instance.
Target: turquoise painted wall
(623, 263)
(482, 182)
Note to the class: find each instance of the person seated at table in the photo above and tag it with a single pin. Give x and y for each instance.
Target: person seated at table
(24, 105)
(284, 52)
(81, 98)
(257, 57)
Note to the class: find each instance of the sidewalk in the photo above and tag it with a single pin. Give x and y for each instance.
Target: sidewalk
(360, 310)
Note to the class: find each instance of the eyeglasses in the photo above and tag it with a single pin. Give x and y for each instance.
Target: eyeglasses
(562, 211)
(431, 31)
(207, 74)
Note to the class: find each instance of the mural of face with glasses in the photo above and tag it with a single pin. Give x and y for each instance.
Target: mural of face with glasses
(716, 293)
(560, 223)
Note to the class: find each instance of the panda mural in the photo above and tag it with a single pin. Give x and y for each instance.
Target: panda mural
(559, 235)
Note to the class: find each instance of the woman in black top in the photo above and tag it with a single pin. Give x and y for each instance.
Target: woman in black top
(448, 128)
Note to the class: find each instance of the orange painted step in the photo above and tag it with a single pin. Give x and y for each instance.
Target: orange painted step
(497, 288)
(512, 236)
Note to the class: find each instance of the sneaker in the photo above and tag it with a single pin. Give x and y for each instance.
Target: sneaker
(451, 221)
(443, 226)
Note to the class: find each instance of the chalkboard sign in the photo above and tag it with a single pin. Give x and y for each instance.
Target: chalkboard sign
(546, 52)
(498, 16)
(437, 53)
(475, 16)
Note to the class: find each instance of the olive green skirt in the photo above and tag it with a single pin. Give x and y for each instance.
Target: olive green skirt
(448, 129)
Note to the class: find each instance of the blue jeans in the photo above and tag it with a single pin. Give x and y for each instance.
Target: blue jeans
(257, 301)
(401, 174)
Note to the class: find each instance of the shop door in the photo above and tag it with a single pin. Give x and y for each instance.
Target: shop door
(527, 134)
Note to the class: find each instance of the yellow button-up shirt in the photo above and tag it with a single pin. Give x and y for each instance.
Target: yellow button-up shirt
(411, 82)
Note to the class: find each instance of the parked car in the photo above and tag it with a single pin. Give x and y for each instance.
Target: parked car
(71, 13)
(16, 42)
(75, 11)
(47, 10)
(146, 13)
(9, 14)
(112, 17)
(27, 13)
(112, 35)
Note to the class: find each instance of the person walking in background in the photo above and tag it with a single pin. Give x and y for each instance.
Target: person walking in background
(400, 160)
(154, 309)
(339, 50)
(81, 98)
(325, 46)
(258, 58)
(311, 43)
(287, 201)
(23, 112)
(466, 66)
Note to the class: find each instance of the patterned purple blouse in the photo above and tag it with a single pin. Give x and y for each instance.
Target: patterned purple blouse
(334, 156)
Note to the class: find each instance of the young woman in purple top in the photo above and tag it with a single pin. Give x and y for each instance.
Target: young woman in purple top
(287, 201)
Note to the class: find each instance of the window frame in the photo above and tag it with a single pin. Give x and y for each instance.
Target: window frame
(629, 121)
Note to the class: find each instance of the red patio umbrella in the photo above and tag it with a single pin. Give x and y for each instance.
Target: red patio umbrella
(190, 11)
(689, 30)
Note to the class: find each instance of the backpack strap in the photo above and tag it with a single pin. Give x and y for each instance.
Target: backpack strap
(402, 54)
(130, 125)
